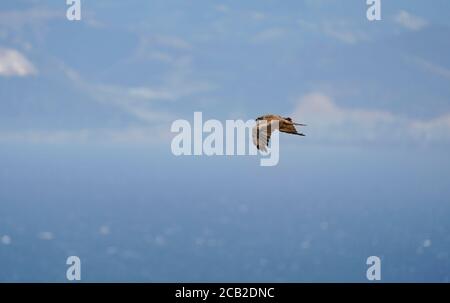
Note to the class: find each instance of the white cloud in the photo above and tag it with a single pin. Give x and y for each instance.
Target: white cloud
(344, 35)
(150, 94)
(410, 21)
(436, 129)
(172, 42)
(222, 8)
(330, 123)
(155, 55)
(269, 35)
(118, 93)
(140, 135)
(140, 101)
(18, 18)
(337, 29)
(257, 16)
(162, 48)
(136, 101)
(13, 63)
(430, 66)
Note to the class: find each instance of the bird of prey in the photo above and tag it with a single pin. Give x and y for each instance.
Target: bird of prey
(266, 125)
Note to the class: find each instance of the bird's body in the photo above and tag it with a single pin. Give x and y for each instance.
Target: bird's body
(267, 124)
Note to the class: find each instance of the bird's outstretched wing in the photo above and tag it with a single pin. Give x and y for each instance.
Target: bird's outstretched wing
(261, 133)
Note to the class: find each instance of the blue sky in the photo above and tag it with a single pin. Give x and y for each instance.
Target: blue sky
(132, 67)
(85, 161)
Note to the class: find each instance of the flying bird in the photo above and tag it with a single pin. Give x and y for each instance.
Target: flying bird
(266, 125)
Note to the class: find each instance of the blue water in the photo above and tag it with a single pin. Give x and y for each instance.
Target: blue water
(137, 213)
